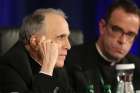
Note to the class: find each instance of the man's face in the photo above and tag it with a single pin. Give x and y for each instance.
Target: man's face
(56, 28)
(117, 36)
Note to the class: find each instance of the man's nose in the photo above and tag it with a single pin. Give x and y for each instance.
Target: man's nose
(122, 39)
(67, 44)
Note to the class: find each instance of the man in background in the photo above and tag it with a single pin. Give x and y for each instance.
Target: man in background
(94, 64)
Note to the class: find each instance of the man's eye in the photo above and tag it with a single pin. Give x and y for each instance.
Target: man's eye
(61, 37)
(131, 34)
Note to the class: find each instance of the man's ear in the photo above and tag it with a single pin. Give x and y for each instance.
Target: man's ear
(102, 26)
(33, 40)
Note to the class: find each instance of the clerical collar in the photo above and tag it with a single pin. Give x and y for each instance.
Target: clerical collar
(104, 57)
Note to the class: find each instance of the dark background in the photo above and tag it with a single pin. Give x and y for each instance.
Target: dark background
(82, 14)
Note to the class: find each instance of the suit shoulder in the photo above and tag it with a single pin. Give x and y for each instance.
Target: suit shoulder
(80, 49)
(78, 54)
(133, 58)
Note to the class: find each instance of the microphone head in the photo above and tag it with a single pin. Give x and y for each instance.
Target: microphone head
(125, 66)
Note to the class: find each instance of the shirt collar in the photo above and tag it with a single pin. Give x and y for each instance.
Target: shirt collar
(112, 62)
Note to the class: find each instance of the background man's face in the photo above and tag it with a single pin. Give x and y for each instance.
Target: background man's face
(117, 36)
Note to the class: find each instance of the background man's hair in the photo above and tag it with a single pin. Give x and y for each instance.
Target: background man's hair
(127, 5)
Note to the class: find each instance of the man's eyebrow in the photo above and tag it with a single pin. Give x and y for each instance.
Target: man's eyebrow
(116, 26)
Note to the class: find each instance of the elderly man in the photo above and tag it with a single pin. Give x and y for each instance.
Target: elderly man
(35, 63)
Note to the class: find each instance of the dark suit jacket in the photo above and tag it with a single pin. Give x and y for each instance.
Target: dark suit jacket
(86, 67)
(20, 73)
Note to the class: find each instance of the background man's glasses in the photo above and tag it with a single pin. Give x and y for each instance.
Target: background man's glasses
(118, 31)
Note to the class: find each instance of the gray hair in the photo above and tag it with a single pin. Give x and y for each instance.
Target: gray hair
(32, 23)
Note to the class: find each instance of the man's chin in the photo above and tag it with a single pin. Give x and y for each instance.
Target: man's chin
(60, 64)
(118, 56)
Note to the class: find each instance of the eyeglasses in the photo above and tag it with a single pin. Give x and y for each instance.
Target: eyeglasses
(118, 31)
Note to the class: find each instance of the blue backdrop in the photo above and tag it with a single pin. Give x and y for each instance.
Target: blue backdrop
(82, 14)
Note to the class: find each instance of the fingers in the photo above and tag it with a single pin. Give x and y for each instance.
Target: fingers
(48, 49)
(49, 54)
(43, 40)
(42, 45)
